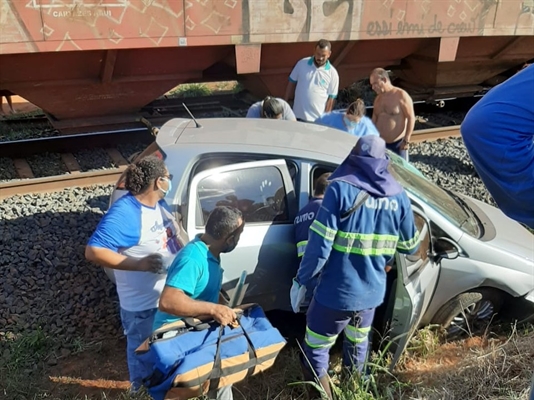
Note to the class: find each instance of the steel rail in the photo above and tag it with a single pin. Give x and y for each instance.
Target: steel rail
(110, 176)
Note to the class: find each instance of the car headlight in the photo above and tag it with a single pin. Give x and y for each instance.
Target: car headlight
(530, 296)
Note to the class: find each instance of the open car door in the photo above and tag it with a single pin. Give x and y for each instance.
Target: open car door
(417, 277)
(263, 191)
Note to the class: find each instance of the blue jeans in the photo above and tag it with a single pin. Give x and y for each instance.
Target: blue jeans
(395, 148)
(137, 327)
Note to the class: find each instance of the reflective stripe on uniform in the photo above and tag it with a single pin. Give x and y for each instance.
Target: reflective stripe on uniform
(409, 244)
(357, 335)
(365, 244)
(301, 246)
(323, 231)
(316, 341)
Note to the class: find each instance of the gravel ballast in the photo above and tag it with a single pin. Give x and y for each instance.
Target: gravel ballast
(48, 283)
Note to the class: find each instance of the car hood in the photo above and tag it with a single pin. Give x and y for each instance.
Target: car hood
(510, 236)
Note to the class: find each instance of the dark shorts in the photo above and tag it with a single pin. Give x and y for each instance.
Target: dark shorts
(395, 148)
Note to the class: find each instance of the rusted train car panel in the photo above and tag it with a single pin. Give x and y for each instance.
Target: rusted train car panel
(65, 25)
(93, 58)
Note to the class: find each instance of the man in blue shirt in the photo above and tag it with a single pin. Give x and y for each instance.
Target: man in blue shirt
(194, 279)
(498, 133)
(272, 108)
(352, 120)
(365, 217)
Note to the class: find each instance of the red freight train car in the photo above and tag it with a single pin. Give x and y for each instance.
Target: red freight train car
(93, 58)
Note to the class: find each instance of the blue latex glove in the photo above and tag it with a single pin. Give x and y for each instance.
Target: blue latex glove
(298, 295)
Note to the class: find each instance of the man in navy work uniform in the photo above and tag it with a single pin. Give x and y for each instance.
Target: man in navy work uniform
(194, 278)
(352, 120)
(314, 82)
(305, 217)
(272, 108)
(498, 133)
(364, 219)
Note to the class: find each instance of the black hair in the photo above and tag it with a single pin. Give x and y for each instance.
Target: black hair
(321, 184)
(223, 221)
(357, 108)
(271, 107)
(141, 174)
(324, 44)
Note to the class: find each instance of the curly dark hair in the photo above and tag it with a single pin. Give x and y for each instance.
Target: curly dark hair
(141, 174)
(223, 221)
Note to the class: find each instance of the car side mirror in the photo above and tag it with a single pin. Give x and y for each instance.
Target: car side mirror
(445, 248)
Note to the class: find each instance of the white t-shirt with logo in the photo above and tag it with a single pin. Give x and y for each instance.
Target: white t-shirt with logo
(314, 87)
(136, 230)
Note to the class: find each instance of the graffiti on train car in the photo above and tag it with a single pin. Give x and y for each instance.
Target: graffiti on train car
(48, 25)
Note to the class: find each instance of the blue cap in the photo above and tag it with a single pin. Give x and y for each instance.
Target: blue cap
(370, 146)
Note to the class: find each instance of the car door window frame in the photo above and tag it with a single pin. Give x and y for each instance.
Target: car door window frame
(408, 267)
(280, 164)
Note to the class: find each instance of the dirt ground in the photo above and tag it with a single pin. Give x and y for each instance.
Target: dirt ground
(100, 372)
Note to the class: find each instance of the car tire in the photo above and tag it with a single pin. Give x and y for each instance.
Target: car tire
(468, 313)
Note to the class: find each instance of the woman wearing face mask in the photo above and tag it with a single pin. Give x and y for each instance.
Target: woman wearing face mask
(352, 120)
(137, 238)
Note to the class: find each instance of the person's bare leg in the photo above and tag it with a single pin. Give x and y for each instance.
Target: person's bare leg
(10, 104)
(2, 105)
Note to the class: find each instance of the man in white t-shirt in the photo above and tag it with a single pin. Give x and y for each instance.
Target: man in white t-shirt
(314, 82)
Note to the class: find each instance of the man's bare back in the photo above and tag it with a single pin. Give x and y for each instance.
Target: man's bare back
(389, 114)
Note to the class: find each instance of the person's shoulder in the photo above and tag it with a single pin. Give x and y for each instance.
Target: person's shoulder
(123, 205)
(303, 62)
(402, 93)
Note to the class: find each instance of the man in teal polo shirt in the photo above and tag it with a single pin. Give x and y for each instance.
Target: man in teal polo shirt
(194, 279)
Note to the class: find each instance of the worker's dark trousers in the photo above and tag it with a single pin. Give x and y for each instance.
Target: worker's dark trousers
(323, 326)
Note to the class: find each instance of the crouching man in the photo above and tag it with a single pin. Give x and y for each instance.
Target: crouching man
(352, 238)
(194, 279)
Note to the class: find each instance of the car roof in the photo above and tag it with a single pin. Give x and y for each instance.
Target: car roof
(259, 135)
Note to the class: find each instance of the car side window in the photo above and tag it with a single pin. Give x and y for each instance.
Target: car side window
(259, 193)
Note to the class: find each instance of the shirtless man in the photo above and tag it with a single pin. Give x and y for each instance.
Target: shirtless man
(393, 113)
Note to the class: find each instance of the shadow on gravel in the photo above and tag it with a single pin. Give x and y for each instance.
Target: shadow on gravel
(100, 202)
(445, 163)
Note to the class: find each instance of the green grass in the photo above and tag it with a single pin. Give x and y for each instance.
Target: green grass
(190, 90)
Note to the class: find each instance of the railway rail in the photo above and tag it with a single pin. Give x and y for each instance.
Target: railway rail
(27, 183)
(158, 112)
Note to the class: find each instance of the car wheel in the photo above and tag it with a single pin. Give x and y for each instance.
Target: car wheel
(468, 313)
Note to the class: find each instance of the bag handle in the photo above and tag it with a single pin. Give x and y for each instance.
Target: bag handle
(216, 373)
